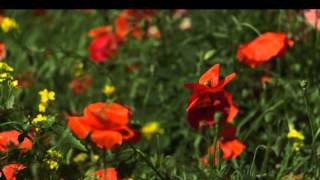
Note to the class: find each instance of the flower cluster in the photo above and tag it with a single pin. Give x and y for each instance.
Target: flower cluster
(52, 159)
(45, 97)
(296, 136)
(5, 75)
(209, 99)
(7, 24)
(106, 42)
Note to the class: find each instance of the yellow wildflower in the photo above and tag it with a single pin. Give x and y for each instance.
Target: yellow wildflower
(78, 69)
(108, 89)
(54, 154)
(81, 157)
(151, 128)
(14, 83)
(39, 118)
(8, 24)
(5, 67)
(53, 165)
(297, 145)
(42, 107)
(294, 134)
(46, 96)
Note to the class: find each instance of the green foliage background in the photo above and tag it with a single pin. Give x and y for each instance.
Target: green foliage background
(50, 45)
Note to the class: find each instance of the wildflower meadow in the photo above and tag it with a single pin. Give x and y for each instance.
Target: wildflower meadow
(145, 94)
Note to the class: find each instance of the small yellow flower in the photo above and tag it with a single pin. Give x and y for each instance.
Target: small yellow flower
(46, 96)
(14, 83)
(297, 145)
(54, 154)
(108, 89)
(294, 134)
(39, 118)
(151, 128)
(5, 67)
(53, 165)
(78, 69)
(81, 157)
(42, 107)
(8, 24)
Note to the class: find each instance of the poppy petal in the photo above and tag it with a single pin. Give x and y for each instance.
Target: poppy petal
(106, 139)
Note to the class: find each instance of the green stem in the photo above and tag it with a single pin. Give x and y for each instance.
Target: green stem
(149, 163)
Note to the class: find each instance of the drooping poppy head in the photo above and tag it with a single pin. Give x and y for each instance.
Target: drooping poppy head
(99, 31)
(106, 174)
(263, 48)
(10, 138)
(102, 47)
(3, 51)
(10, 170)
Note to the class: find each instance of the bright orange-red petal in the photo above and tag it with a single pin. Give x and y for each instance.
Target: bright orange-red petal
(11, 137)
(99, 31)
(231, 148)
(106, 139)
(106, 174)
(263, 48)
(106, 116)
(122, 27)
(211, 76)
(11, 169)
(79, 127)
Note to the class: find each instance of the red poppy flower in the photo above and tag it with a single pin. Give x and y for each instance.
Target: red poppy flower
(107, 123)
(80, 85)
(106, 174)
(209, 82)
(10, 170)
(263, 48)
(10, 138)
(122, 28)
(99, 31)
(312, 17)
(102, 47)
(230, 146)
(202, 112)
(2, 51)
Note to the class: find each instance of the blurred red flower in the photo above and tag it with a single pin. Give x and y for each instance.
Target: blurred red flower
(10, 138)
(102, 47)
(107, 123)
(106, 174)
(263, 48)
(10, 170)
(312, 17)
(80, 85)
(2, 51)
(99, 31)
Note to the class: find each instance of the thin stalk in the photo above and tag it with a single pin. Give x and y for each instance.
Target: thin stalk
(149, 163)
